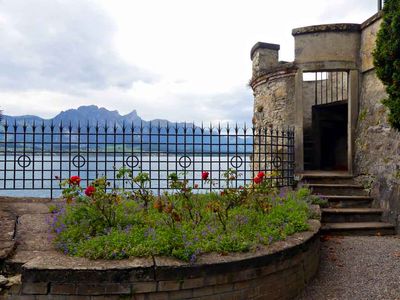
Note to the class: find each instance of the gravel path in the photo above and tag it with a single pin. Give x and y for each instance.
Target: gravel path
(357, 268)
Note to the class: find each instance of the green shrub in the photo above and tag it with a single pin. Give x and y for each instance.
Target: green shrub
(387, 59)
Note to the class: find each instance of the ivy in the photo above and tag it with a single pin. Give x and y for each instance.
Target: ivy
(387, 59)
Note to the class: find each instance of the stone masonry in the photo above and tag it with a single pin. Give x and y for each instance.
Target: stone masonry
(283, 98)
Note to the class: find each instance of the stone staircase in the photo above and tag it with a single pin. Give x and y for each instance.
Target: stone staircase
(349, 210)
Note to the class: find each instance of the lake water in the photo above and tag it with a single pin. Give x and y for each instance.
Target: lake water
(33, 176)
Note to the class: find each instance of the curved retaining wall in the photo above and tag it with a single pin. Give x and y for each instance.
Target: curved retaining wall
(279, 271)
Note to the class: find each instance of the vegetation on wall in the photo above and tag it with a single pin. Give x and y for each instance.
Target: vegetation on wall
(387, 59)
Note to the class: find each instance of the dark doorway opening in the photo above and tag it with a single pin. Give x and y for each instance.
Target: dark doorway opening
(329, 134)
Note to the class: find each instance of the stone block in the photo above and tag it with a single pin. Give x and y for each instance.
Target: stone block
(138, 297)
(223, 288)
(237, 295)
(243, 285)
(183, 294)
(63, 289)
(157, 296)
(90, 289)
(52, 297)
(193, 283)
(36, 288)
(118, 288)
(144, 287)
(205, 291)
(169, 285)
(107, 297)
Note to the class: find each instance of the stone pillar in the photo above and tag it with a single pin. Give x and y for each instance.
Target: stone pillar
(299, 111)
(264, 56)
(352, 117)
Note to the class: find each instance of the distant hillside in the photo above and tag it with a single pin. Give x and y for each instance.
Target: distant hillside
(94, 115)
(83, 115)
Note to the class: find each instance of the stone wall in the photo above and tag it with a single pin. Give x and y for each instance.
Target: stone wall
(336, 47)
(377, 150)
(279, 271)
(324, 43)
(274, 111)
(274, 98)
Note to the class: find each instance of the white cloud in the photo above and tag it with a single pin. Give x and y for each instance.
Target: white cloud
(56, 45)
(58, 54)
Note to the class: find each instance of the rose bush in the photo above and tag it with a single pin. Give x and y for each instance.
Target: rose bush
(100, 222)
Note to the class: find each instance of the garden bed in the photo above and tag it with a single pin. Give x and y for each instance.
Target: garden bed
(252, 242)
(278, 271)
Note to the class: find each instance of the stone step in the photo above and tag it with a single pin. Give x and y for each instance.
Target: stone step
(361, 228)
(336, 201)
(340, 189)
(346, 215)
(321, 177)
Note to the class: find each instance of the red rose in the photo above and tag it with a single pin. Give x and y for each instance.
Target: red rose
(261, 175)
(204, 175)
(74, 180)
(196, 186)
(257, 180)
(90, 190)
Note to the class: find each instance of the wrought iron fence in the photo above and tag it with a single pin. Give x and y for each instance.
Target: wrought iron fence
(37, 157)
(328, 86)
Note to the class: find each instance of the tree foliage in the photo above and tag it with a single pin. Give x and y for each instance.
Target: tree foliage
(387, 59)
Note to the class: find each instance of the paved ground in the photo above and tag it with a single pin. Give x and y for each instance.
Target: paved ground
(7, 230)
(351, 267)
(357, 268)
(28, 217)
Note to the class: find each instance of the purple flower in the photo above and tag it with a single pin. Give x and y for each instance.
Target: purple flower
(241, 219)
(283, 192)
(150, 232)
(260, 238)
(193, 258)
(270, 239)
(128, 228)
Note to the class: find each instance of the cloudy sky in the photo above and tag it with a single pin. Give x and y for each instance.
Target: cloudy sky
(176, 59)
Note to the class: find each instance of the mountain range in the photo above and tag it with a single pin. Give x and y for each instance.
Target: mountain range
(84, 115)
(181, 137)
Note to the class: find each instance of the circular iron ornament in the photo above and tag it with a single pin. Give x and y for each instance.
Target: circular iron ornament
(185, 161)
(277, 161)
(24, 161)
(236, 161)
(132, 161)
(78, 161)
